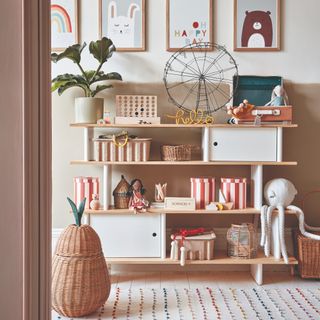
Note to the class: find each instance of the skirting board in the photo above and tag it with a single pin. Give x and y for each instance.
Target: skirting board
(220, 244)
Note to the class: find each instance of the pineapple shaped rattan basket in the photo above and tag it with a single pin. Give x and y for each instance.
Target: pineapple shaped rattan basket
(120, 194)
(80, 279)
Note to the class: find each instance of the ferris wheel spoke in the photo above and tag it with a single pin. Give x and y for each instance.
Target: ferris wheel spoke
(222, 80)
(204, 61)
(214, 97)
(219, 90)
(221, 71)
(188, 94)
(207, 98)
(181, 83)
(195, 59)
(186, 65)
(220, 55)
(181, 74)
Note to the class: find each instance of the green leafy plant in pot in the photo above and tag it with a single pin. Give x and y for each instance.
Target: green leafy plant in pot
(88, 109)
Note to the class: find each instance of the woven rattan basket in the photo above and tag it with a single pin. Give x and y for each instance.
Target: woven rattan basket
(80, 279)
(308, 256)
(176, 153)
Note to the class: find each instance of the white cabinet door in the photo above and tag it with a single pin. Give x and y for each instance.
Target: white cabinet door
(243, 144)
(127, 235)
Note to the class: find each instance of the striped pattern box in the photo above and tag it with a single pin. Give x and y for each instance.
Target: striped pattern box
(235, 190)
(84, 187)
(203, 191)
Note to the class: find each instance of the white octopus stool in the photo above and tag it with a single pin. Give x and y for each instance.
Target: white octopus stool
(279, 194)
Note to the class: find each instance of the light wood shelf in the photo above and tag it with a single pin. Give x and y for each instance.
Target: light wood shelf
(173, 125)
(185, 163)
(150, 211)
(220, 257)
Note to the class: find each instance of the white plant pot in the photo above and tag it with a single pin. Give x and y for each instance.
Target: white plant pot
(88, 110)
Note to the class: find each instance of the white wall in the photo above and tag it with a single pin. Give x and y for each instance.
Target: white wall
(297, 62)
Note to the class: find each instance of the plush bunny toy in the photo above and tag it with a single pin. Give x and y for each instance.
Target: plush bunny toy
(279, 194)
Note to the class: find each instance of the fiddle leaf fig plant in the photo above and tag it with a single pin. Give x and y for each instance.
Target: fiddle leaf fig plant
(102, 51)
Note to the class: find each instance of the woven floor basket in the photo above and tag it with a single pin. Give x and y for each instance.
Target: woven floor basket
(308, 256)
(80, 279)
(176, 153)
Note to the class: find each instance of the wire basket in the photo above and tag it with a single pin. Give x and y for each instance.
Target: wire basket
(176, 152)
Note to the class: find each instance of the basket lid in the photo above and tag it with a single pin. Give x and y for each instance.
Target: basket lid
(77, 241)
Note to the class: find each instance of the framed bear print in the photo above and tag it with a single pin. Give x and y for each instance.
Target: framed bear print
(256, 25)
(123, 21)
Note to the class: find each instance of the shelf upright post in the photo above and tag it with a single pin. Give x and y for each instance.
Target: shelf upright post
(205, 143)
(257, 179)
(279, 143)
(107, 179)
(87, 144)
(163, 235)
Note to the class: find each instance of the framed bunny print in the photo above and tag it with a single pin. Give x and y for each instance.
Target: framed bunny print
(123, 21)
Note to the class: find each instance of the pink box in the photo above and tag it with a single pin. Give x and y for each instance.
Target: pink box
(84, 187)
(235, 190)
(203, 191)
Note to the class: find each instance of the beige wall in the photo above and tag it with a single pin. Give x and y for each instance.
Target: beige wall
(298, 63)
(11, 160)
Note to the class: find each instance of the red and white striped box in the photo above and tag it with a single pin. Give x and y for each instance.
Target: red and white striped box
(203, 191)
(84, 187)
(235, 190)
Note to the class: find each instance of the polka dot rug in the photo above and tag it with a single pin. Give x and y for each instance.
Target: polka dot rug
(208, 304)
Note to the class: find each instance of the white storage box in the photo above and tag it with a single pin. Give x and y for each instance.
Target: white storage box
(130, 236)
(137, 149)
(243, 144)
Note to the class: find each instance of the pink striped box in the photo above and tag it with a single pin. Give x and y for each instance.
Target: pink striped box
(235, 190)
(203, 191)
(84, 187)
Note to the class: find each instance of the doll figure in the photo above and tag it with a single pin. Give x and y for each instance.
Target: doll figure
(136, 191)
(279, 97)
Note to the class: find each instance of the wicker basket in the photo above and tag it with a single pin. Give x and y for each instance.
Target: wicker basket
(80, 279)
(308, 256)
(120, 194)
(176, 153)
(242, 241)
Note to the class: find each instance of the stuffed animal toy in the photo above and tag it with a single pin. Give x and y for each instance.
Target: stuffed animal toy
(279, 194)
(279, 97)
(238, 112)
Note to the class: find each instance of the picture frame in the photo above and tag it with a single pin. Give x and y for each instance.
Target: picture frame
(188, 22)
(64, 24)
(257, 25)
(123, 21)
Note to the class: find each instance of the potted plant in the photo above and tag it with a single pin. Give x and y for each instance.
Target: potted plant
(88, 109)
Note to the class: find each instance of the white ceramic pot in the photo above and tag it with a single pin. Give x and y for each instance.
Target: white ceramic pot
(88, 110)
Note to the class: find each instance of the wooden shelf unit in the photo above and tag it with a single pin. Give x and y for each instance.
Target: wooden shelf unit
(256, 265)
(184, 163)
(152, 211)
(220, 257)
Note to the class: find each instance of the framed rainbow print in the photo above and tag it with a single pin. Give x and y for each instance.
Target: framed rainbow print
(64, 24)
(188, 22)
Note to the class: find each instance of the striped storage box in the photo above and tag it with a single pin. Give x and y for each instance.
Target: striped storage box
(137, 149)
(203, 191)
(85, 187)
(235, 190)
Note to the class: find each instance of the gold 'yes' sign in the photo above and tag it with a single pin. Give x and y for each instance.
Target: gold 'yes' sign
(191, 117)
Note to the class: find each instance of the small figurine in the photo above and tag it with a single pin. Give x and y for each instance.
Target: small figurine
(279, 97)
(237, 112)
(136, 191)
(95, 203)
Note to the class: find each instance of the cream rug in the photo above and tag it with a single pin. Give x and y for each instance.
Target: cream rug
(209, 304)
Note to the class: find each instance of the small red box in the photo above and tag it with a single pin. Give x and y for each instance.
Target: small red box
(269, 114)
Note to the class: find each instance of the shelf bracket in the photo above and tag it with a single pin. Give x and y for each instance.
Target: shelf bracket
(107, 178)
(87, 144)
(256, 271)
(205, 143)
(279, 143)
(163, 236)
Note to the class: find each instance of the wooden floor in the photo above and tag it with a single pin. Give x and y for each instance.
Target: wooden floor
(207, 279)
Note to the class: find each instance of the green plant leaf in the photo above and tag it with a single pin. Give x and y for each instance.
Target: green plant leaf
(75, 211)
(100, 88)
(81, 209)
(102, 49)
(72, 84)
(73, 53)
(57, 84)
(101, 76)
